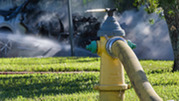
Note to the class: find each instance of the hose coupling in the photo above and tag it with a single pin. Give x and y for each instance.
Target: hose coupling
(110, 43)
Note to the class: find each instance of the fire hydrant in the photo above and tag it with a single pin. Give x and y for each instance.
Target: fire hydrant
(115, 56)
(112, 84)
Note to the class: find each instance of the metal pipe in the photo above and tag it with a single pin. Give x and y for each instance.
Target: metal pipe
(134, 70)
(70, 27)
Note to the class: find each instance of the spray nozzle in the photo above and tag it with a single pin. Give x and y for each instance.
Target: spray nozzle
(108, 10)
(111, 11)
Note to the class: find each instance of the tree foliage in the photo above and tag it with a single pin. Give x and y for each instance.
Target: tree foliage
(123, 5)
(151, 5)
(170, 6)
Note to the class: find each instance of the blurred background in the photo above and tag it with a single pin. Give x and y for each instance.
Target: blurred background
(40, 28)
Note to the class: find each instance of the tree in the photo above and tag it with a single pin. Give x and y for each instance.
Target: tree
(171, 12)
(171, 15)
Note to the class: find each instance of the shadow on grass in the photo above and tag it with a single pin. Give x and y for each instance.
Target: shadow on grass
(36, 86)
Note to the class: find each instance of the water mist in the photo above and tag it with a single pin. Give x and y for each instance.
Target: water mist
(152, 40)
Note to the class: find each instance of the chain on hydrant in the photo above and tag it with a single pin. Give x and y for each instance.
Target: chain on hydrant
(116, 55)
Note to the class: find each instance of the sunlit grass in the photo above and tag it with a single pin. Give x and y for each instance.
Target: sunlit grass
(72, 64)
(50, 64)
(75, 86)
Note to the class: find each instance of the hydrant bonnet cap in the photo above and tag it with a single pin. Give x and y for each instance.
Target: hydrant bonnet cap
(111, 27)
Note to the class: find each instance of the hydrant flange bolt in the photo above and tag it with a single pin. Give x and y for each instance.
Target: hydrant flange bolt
(110, 43)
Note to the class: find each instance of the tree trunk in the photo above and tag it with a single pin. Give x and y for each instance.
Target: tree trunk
(176, 63)
(175, 44)
(173, 25)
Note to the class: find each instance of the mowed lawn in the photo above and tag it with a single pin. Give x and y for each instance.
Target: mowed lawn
(67, 86)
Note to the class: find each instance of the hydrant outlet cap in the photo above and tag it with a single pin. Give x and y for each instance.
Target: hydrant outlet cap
(131, 44)
(92, 47)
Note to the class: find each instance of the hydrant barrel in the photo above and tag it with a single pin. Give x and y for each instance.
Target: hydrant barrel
(112, 84)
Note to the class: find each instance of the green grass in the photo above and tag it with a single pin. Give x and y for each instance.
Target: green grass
(37, 86)
(89, 96)
(72, 64)
(156, 66)
(50, 64)
(75, 86)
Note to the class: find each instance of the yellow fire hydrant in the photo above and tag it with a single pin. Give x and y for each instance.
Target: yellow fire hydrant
(115, 56)
(112, 84)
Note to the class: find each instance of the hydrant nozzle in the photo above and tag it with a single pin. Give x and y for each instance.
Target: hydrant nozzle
(131, 44)
(92, 47)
